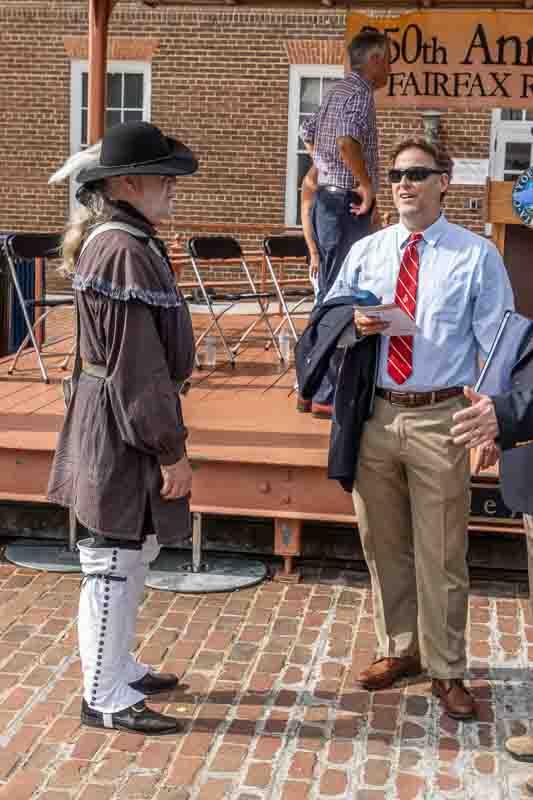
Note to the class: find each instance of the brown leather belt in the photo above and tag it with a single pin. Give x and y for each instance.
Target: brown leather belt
(414, 399)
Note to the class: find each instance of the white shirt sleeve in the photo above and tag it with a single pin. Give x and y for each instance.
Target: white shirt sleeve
(493, 297)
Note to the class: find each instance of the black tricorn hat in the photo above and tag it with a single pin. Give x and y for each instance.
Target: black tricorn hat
(139, 148)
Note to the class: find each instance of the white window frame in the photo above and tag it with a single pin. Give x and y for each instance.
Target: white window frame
(504, 130)
(296, 73)
(77, 68)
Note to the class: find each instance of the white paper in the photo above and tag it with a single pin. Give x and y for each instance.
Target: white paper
(470, 171)
(400, 323)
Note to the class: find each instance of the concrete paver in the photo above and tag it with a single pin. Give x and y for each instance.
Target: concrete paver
(270, 699)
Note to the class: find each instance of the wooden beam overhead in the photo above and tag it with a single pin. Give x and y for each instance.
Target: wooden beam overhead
(341, 5)
(287, 5)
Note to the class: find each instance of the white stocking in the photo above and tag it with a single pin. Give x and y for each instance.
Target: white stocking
(105, 599)
(135, 670)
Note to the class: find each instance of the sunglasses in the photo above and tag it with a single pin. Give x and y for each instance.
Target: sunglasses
(413, 174)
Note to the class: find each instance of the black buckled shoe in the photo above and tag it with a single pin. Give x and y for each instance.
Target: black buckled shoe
(155, 683)
(136, 719)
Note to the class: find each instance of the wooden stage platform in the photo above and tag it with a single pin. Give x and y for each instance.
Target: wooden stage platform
(252, 453)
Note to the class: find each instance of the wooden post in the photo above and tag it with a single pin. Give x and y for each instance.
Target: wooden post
(287, 544)
(99, 13)
(498, 236)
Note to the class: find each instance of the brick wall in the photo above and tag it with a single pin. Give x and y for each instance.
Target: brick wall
(219, 82)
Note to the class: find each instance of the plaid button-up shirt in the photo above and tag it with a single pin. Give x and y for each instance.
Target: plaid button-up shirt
(348, 110)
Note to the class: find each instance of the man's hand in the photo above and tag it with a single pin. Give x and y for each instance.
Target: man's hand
(352, 156)
(177, 479)
(486, 456)
(314, 261)
(376, 222)
(366, 192)
(368, 326)
(477, 425)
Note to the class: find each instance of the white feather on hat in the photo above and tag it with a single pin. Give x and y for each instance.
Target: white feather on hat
(85, 159)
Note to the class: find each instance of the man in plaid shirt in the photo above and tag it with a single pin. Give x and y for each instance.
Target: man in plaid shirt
(342, 139)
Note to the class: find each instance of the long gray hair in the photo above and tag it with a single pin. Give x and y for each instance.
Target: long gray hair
(95, 207)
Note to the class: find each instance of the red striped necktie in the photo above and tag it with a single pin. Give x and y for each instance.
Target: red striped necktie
(400, 359)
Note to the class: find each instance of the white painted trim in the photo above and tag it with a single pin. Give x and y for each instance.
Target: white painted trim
(77, 68)
(502, 131)
(509, 133)
(296, 73)
(505, 131)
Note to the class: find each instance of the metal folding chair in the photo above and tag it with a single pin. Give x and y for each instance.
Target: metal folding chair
(29, 246)
(213, 253)
(283, 253)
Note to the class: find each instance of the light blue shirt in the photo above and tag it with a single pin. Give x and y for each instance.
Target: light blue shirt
(463, 292)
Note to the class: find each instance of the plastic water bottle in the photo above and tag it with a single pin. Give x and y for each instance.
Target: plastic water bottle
(210, 351)
(285, 346)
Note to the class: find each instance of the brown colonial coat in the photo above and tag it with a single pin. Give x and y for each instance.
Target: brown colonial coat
(119, 430)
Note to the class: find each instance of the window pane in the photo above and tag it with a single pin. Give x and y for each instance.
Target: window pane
(529, 115)
(299, 209)
(511, 114)
(309, 95)
(517, 156)
(328, 84)
(112, 118)
(132, 115)
(304, 164)
(114, 90)
(84, 89)
(510, 176)
(133, 91)
(301, 121)
(83, 128)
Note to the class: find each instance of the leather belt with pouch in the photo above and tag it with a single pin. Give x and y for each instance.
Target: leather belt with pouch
(100, 371)
(94, 370)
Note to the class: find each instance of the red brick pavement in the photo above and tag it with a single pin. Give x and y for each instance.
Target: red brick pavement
(272, 705)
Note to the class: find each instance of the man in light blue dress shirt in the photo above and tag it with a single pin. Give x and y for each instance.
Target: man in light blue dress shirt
(411, 494)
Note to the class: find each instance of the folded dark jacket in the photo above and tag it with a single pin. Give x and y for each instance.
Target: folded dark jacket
(356, 377)
(318, 342)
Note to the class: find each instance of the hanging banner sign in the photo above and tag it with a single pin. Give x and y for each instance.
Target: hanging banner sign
(456, 59)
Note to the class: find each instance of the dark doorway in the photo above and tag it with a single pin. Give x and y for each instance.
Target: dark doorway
(518, 257)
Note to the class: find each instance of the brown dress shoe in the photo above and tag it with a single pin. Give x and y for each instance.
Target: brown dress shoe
(383, 673)
(520, 747)
(321, 411)
(303, 406)
(456, 700)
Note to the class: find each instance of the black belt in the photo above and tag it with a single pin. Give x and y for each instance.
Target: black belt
(331, 189)
(414, 399)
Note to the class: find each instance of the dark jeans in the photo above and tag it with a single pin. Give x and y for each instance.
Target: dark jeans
(336, 230)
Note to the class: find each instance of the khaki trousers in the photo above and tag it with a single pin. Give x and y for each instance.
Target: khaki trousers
(412, 503)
